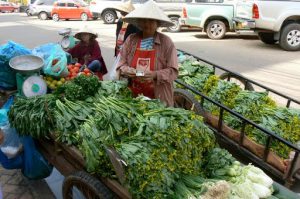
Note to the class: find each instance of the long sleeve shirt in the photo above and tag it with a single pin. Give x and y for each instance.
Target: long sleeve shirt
(166, 67)
(93, 49)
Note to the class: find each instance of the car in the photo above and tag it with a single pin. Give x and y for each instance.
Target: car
(8, 7)
(41, 8)
(71, 10)
(105, 10)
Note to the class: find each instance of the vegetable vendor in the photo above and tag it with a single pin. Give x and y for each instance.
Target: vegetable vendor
(88, 52)
(123, 29)
(149, 58)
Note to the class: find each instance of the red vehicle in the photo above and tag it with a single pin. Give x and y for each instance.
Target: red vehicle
(8, 7)
(71, 10)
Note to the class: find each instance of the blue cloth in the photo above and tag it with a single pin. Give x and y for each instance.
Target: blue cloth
(95, 66)
(147, 44)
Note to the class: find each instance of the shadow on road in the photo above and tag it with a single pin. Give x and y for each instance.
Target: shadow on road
(231, 36)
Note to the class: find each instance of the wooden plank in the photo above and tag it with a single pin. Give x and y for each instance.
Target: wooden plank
(117, 188)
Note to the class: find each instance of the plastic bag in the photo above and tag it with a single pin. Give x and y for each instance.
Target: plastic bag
(35, 166)
(12, 49)
(7, 74)
(11, 144)
(113, 74)
(56, 62)
(44, 51)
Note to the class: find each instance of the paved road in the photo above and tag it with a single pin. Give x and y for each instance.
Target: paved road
(267, 64)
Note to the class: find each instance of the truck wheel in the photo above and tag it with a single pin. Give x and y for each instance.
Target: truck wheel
(109, 17)
(43, 16)
(28, 12)
(216, 29)
(290, 37)
(267, 37)
(176, 27)
(84, 17)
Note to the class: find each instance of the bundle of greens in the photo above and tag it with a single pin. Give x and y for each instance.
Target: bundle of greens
(198, 81)
(114, 88)
(197, 187)
(33, 116)
(251, 105)
(157, 143)
(68, 117)
(223, 92)
(79, 88)
(282, 121)
(191, 67)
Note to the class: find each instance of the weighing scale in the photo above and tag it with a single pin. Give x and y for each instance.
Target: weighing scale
(29, 82)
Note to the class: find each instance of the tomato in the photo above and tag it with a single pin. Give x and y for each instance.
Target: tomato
(54, 62)
(74, 74)
(76, 69)
(77, 65)
(69, 67)
(88, 74)
(86, 70)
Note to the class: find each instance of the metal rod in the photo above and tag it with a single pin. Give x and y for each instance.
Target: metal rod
(242, 135)
(266, 131)
(220, 119)
(292, 165)
(239, 75)
(267, 148)
(288, 103)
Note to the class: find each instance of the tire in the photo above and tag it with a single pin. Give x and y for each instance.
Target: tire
(109, 17)
(89, 186)
(84, 17)
(176, 27)
(55, 17)
(290, 37)
(43, 16)
(184, 99)
(238, 80)
(28, 12)
(266, 37)
(216, 29)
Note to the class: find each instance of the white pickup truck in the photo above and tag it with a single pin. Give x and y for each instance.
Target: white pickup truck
(273, 20)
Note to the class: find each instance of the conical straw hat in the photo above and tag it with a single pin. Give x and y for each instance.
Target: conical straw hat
(148, 10)
(125, 7)
(85, 29)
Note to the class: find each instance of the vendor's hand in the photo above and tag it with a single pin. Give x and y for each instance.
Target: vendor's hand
(86, 58)
(130, 72)
(150, 75)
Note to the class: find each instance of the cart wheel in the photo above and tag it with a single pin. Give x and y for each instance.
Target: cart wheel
(89, 186)
(238, 80)
(184, 99)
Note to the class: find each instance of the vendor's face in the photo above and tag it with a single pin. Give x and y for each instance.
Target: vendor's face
(85, 37)
(148, 26)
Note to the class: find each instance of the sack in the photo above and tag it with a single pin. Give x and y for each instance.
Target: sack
(35, 166)
(113, 74)
(56, 62)
(13, 163)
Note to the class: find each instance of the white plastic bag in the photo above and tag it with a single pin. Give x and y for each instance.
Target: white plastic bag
(113, 74)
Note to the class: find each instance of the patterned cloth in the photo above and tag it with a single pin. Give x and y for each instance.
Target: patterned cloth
(147, 44)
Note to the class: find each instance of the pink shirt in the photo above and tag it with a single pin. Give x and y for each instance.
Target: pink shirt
(166, 64)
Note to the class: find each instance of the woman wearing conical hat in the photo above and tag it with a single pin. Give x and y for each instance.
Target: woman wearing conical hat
(88, 52)
(149, 58)
(124, 29)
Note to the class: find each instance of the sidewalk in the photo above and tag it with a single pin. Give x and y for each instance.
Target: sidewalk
(15, 186)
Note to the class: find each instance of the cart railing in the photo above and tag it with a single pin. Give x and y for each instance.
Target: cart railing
(288, 99)
(271, 136)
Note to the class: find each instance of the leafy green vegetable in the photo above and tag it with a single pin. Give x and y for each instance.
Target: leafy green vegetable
(33, 116)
